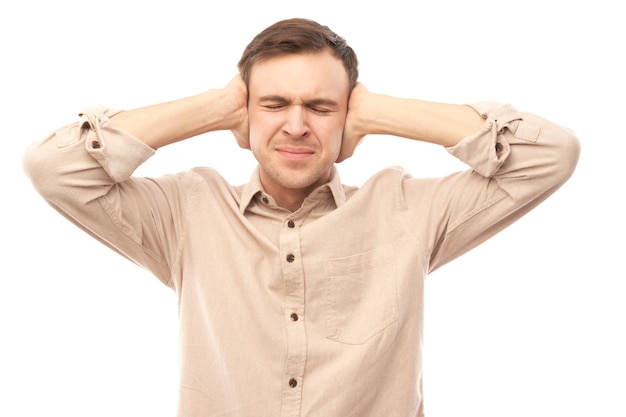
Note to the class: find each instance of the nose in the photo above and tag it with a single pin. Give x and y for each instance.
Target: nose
(296, 122)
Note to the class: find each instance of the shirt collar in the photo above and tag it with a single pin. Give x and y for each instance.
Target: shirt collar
(254, 187)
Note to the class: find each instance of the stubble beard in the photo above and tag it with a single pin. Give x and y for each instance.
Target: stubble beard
(297, 179)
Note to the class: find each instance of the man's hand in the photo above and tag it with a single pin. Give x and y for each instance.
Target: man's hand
(354, 130)
(379, 114)
(237, 91)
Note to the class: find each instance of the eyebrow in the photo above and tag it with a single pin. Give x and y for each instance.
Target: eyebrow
(272, 98)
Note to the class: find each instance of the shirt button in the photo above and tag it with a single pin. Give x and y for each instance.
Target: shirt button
(291, 224)
(293, 383)
(498, 147)
(294, 317)
(95, 144)
(266, 200)
(290, 258)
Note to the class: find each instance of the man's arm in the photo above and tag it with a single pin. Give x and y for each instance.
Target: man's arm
(516, 161)
(439, 123)
(84, 170)
(212, 110)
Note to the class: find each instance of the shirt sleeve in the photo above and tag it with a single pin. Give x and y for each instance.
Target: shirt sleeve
(84, 171)
(516, 161)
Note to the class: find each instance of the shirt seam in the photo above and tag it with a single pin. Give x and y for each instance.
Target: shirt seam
(501, 194)
(127, 231)
(180, 246)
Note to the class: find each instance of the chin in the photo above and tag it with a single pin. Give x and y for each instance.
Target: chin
(299, 180)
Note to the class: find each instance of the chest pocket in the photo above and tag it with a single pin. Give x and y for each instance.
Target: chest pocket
(361, 295)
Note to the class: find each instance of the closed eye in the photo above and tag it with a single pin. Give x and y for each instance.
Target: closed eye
(318, 106)
(273, 106)
(322, 106)
(273, 102)
(320, 111)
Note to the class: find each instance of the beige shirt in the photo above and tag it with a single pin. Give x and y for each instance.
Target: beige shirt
(313, 313)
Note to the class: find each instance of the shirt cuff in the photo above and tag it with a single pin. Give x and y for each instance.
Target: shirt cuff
(116, 150)
(486, 150)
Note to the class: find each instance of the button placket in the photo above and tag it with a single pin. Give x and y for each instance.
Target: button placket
(293, 275)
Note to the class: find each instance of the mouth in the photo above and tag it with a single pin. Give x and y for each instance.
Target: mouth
(294, 153)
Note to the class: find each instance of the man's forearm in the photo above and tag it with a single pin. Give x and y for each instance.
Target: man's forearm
(439, 123)
(162, 124)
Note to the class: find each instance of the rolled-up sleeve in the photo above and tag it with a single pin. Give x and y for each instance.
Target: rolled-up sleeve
(116, 151)
(92, 148)
(487, 151)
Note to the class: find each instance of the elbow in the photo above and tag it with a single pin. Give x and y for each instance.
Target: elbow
(567, 154)
(37, 170)
(550, 163)
(48, 167)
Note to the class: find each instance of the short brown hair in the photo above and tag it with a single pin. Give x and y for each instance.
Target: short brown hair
(293, 36)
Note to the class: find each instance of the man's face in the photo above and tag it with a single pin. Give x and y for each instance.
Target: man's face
(297, 111)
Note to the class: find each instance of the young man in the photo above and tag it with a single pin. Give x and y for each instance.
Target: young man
(299, 295)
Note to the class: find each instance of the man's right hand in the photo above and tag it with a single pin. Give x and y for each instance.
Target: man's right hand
(236, 89)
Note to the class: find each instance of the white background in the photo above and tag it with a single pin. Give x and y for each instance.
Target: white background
(532, 323)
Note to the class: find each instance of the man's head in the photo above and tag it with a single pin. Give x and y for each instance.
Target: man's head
(299, 76)
(296, 36)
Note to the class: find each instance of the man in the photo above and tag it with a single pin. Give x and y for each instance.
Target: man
(299, 295)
